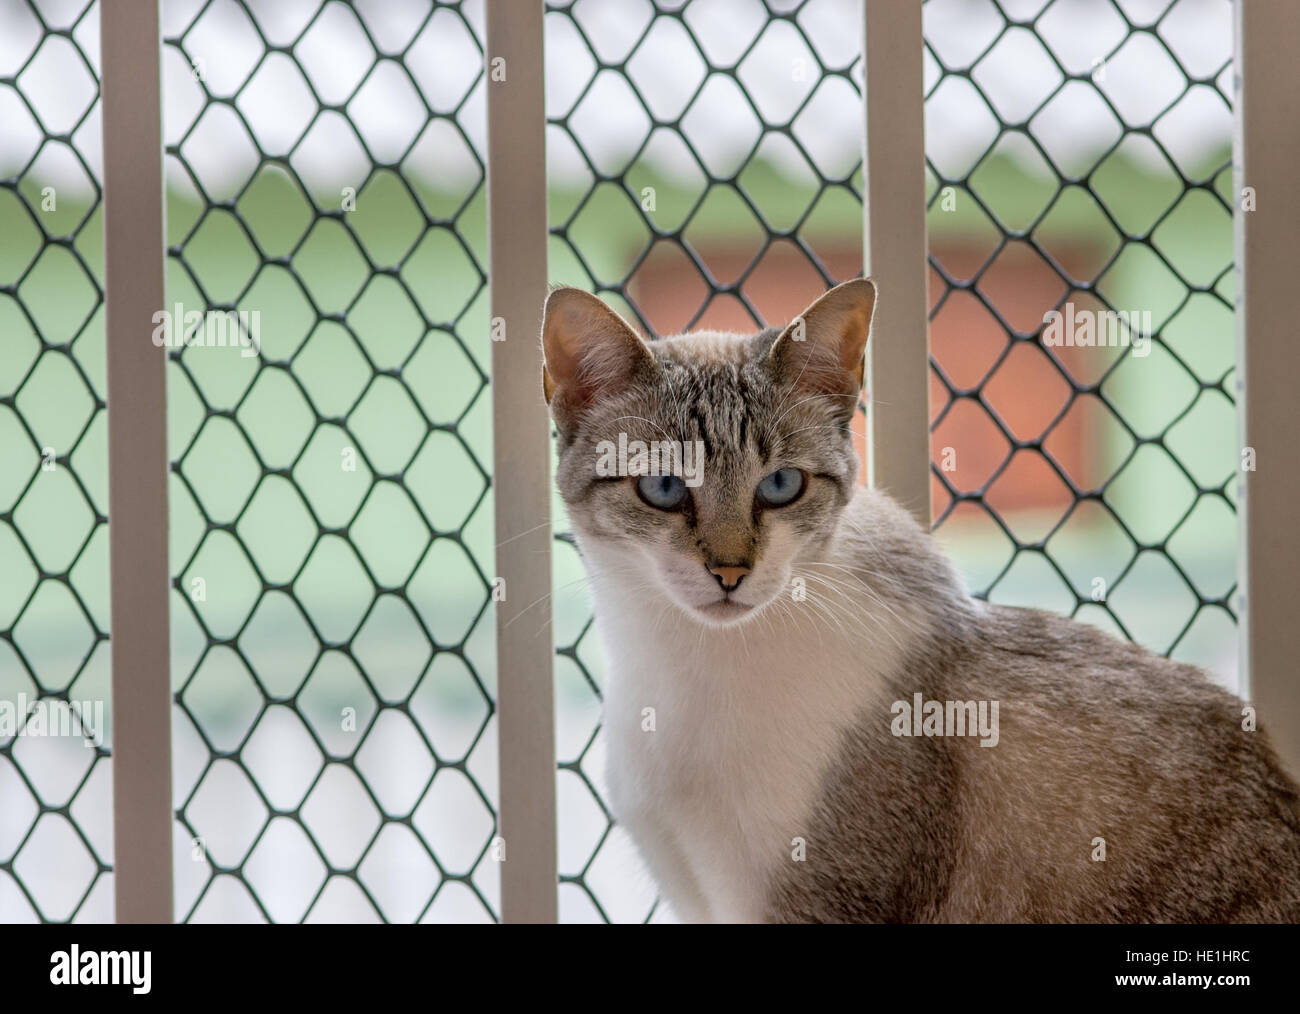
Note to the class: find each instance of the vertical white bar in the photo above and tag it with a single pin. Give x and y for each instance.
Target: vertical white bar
(1265, 156)
(521, 460)
(137, 459)
(893, 206)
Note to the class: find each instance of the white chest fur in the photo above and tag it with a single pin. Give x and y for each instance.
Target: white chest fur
(718, 740)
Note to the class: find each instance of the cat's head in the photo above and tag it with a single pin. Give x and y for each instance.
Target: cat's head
(752, 432)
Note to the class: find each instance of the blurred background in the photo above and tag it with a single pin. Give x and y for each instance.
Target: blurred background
(332, 629)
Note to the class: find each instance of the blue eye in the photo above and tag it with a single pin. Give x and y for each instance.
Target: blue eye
(663, 491)
(781, 487)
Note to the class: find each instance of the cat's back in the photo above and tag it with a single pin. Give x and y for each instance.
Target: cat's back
(1120, 786)
(1124, 787)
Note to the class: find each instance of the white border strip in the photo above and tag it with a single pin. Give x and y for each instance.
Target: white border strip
(1266, 151)
(893, 207)
(134, 253)
(521, 460)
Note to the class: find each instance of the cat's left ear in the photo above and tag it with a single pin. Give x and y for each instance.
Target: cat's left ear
(821, 351)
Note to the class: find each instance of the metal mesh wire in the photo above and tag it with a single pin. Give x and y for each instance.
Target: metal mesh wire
(55, 824)
(331, 621)
(1140, 537)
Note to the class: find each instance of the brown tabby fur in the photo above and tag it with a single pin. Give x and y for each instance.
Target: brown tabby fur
(1098, 738)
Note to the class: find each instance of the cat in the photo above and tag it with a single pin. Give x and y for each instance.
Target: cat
(784, 648)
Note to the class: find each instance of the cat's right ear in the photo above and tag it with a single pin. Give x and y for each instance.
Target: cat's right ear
(589, 351)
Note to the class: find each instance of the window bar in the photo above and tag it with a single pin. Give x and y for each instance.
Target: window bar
(517, 241)
(1266, 151)
(137, 459)
(893, 208)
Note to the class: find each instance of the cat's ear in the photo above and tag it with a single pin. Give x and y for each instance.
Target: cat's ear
(821, 351)
(589, 350)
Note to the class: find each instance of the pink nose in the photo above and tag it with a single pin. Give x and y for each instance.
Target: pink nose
(729, 577)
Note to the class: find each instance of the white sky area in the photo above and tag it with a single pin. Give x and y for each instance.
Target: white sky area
(389, 112)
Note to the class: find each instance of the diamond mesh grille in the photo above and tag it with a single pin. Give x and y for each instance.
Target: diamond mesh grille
(55, 790)
(331, 623)
(1117, 119)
